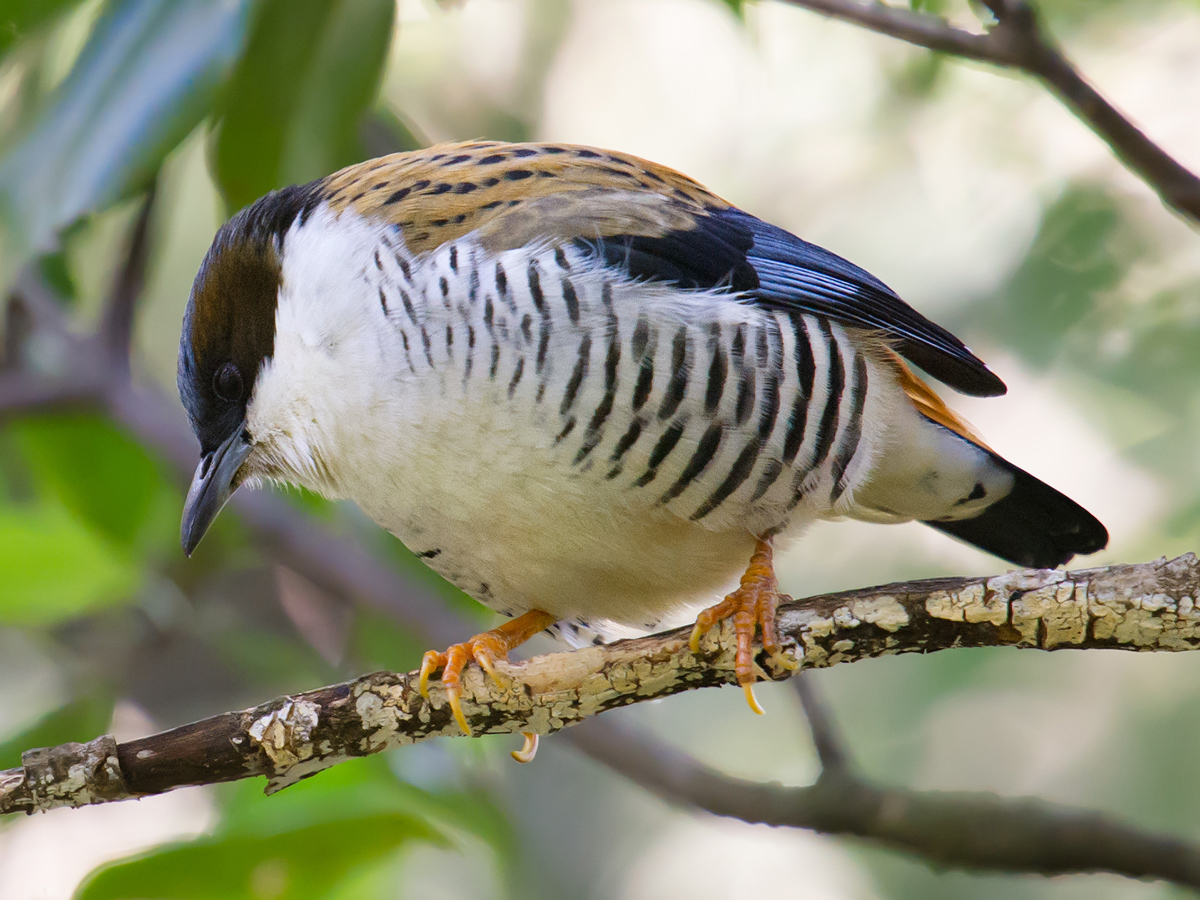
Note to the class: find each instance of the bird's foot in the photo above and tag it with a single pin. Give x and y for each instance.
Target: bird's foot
(484, 649)
(752, 607)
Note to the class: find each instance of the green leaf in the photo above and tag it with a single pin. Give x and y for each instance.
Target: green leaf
(297, 864)
(1083, 249)
(145, 78)
(95, 470)
(296, 844)
(53, 568)
(300, 92)
(363, 787)
(80, 720)
(18, 18)
(737, 7)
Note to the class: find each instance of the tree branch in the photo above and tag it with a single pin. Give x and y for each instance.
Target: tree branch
(1017, 40)
(831, 749)
(116, 323)
(974, 830)
(1134, 607)
(1149, 606)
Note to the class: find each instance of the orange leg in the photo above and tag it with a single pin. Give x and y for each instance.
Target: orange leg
(751, 606)
(484, 649)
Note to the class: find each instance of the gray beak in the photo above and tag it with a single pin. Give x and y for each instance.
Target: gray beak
(212, 486)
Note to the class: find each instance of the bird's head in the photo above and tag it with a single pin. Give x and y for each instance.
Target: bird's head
(228, 341)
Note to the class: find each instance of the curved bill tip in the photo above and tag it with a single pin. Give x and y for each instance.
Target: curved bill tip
(212, 486)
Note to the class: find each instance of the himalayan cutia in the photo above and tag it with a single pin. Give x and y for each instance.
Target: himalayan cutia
(584, 389)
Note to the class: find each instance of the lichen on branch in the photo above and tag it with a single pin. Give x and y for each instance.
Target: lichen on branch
(1149, 606)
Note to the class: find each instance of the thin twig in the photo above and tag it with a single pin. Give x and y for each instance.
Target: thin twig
(1018, 41)
(116, 323)
(831, 749)
(22, 393)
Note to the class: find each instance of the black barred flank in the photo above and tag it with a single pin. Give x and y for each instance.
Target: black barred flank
(571, 300)
(706, 449)
(717, 370)
(849, 443)
(516, 379)
(742, 467)
(577, 376)
(595, 429)
(566, 429)
(805, 374)
(543, 346)
(470, 354)
(428, 344)
(408, 306)
(628, 439)
(745, 398)
(737, 352)
(535, 289)
(677, 386)
(770, 406)
(661, 450)
(640, 339)
(769, 476)
(827, 429)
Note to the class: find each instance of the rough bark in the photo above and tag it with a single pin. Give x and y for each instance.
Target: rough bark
(1150, 606)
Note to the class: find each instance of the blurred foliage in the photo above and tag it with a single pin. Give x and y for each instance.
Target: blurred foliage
(96, 96)
(80, 720)
(20, 19)
(144, 80)
(292, 108)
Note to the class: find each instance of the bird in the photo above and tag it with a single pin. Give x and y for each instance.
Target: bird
(584, 389)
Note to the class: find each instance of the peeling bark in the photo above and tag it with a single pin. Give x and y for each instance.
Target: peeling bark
(1150, 606)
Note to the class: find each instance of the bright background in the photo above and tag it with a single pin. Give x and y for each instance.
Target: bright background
(971, 192)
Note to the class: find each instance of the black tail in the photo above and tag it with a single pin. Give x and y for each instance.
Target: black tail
(1034, 526)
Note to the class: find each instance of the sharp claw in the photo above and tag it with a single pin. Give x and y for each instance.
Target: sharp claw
(430, 663)
(456, 709)
(694, 640)
(784, 661)
(485, 663)
(748, 689)
(529, 750)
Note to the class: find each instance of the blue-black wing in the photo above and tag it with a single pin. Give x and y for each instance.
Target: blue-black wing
(765, 264)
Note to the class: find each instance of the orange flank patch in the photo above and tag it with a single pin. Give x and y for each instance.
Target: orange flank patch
(929, 404)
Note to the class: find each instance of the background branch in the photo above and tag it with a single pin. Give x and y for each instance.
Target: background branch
(1139, 607)
(116, 323)
(975, 830)
(1018, 40)
(831, 749)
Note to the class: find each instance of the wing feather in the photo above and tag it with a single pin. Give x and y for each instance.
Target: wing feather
(646, 219)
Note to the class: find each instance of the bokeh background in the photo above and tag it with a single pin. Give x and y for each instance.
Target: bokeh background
(971, 192)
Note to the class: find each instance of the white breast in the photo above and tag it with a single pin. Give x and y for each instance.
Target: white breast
(548, 434)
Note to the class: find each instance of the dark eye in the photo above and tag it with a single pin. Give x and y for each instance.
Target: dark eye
(228, 383)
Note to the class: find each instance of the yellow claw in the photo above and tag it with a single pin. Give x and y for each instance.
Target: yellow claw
(456, 709)
(694, 641)
(529, 750)
(785, 661)
(485, 663)
(748, 689)
(430, 663)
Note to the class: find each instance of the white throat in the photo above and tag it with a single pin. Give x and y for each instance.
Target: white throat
(334, 357)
